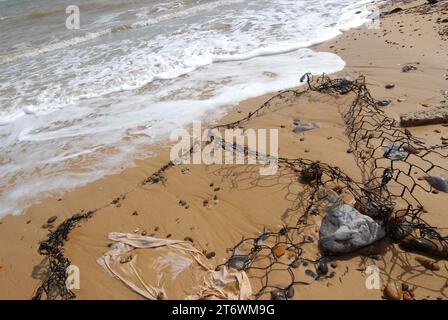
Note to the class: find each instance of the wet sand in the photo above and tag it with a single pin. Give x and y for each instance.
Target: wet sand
(239, 202)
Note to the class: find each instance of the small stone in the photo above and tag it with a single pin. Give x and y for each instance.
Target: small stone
(308, 239)
(144, 233)
(311, 273)
(350, 150)
(238, 262)
(437, 131)
(407, 295)
(216, 189)
(296, 263)
(52, 219)
(390, 85)
(279, 250)
(169, 236)
(393, 291)
(408, 68)
(428, 264)
(185, 171)
(188, 239)
(156, 229)
(210, 255)
(135, 213)
(211, 184)
(334, 264)
(28, 222)
(278, 295)
(205, 203)
(282, 126)
(182, 202)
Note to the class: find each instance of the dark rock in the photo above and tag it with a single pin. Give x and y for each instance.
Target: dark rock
(425, 247)
(278, 295)
(408, 68)
(210, 255)
(296, 263)
(239, 262)
(305, 127)
(311, 273)
(52, 219)
(308, 239)
(384, 103)
(398, 231)
(390, 85)
(439, 183)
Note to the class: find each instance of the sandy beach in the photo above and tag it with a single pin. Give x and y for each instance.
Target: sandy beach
(214, 206)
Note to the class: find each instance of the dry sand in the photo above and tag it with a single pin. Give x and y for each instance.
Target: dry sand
(247, 203)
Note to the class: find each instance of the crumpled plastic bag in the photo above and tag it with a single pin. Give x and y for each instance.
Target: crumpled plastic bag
(123, 261)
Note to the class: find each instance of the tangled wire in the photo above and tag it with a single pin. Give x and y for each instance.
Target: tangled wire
(389, 159)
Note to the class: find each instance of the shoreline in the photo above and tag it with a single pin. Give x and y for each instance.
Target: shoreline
(365, 52)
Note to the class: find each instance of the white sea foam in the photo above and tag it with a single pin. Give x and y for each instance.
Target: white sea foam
(95, 105)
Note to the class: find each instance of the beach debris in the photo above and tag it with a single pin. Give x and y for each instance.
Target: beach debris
(395, 151)
(431, 115)
(305, 127)
(185, 171)
(239, 262)
(308, 239)
(278, 295)
(432, 248)
(428, 264)
(52, 219)
(393, 291)
(439, 183)
(345, 230)
(408, 68)
(390, 85)
(384, 102)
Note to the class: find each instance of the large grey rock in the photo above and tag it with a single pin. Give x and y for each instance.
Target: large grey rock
(438, 182)
(344, 230)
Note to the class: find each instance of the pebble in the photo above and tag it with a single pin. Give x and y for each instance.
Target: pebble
(278, 295)
(28, 222)
(182, 202)
(310, 273)
(279, 250)
(296, 263)
(156, 229)
(205, 203)
(185, 171)
(334, 264)
(210, 255)
(384, 103)
(52, 219)
(390, 85)
(135, 213)
(238, 262)
(144, 233)
(393, 291)
(322, 268)
(188, 239)
(350, 150)
(215, 197)
(290, 292)
(308, 239)
(428, 264)
(169, 235)
(217, 189)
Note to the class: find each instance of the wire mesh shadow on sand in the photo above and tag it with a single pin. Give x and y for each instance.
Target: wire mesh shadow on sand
(386, 201)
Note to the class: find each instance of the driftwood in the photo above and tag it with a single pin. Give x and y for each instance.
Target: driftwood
(432, 115)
